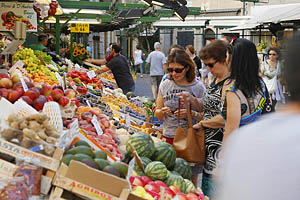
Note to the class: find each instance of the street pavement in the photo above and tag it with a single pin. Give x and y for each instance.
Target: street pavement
(142, 86)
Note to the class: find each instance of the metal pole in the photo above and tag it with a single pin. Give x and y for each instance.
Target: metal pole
(71, 46)
(244, 13)
(57, 34)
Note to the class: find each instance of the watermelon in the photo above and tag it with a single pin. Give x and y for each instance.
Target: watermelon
(183, 168)
(165, 153)
(145, 162)
(177, 181)
(189, 186)
(142, 143)
(156, 170)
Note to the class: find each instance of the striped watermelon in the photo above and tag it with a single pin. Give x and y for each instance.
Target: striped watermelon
(145, 162)
(183, 168)
(165, 153)
(142, 143)
(156, 170)
(177, 181)
(189, 186)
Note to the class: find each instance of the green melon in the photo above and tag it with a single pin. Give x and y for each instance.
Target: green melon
(189, 186)
(145, 161)
(142, 143)
(177, 181)
(165, 153)
(183, 168)
(156, 170)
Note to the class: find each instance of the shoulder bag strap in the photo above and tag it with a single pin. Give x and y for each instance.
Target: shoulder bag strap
(189, 114)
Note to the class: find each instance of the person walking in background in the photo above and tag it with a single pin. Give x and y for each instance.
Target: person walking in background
(271, 71)
(107, 51)
(157, 60)
(260, 161)
(138, 61)
(191, 51)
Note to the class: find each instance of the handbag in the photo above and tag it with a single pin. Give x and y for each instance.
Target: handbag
(189, 143)
(271, 84)
(268, 108)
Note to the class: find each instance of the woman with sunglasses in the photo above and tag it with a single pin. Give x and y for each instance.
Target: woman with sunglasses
(270, 69)
(181, 70)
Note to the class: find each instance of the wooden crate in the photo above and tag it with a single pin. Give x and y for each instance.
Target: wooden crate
(51, 164)
(88, 183)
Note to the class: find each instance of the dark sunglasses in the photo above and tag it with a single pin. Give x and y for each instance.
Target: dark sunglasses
(177, 70)
(272, 54)
(211, 65)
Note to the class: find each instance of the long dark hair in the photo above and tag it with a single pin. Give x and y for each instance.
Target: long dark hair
(245, 66)
(181, 57)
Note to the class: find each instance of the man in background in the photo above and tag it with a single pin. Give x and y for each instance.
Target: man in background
(42, 43)
(158, 67)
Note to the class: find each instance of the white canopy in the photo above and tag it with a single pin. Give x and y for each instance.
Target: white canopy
(270, 14)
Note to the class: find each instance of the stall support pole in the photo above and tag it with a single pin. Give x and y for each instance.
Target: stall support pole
(57, 34)
(71, 46)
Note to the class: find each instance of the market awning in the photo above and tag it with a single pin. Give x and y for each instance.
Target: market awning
(270, 14)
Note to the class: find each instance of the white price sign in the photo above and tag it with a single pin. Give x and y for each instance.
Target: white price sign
(50, 66)
(74, 129)
(19, 64)
(83, 84)
(130, 170)
(90, 87)
(88, 103)
(24, 85)
(97, 125)
(91, 74)
(127, 119)
(162, 193)
(58, 77)
(77, 67)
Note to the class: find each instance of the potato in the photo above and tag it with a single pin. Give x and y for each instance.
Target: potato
(51, 140)
(8, 134)
(29, 133)
(15, 125)
(42, 134)
(35, 126)
(23, 124)
(49, 149)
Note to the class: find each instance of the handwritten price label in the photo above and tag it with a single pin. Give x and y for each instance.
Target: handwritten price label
(91, 74)
(97, 125)
(58, 77)
(24, 85)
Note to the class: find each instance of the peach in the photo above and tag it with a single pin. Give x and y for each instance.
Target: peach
(38, 104)
(49, 98)
(29, 84)
(4, 75)
(47, 89)
(63, 101)
(191, 196)
(13, 96)
(180, 196)
(4, 92)
(57, 94)
(6, 83)
(39, 90)
(27, 100)
(15, 78)
(32, 94)
(70, 93)
(76, 101)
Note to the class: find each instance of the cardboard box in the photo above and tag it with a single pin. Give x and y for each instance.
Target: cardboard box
(89, 182)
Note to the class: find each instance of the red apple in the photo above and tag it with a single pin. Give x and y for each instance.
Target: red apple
(13, 96)
(57, 94)
(76, 101)
(63, 101)
(160, 184)
(6, 83)
(105, 123)
(191, 196)
(57, 87)
(70, 93)
(4, 92)
(27, 100)
(21, 91)
(145, 179)
(39, 90)
(201, 197)
(152, 187)
(180, 196)
(17, 85)
(135, 181)
(38, 104)
(47, 89)
(32, 94)
(4, 75)
(169, 194)
(153, 194)
(174, 189)
(29, 84)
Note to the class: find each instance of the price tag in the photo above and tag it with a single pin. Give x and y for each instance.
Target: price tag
(24, 85)
(53, 67)
(97, 125)
(74, 129)
(77, 67)
(130, 171)
(88, 103)
(91, 74)
(63, 140)
(162, 193)
(83, 84)
(58, 77)
(90, 87)
(127, 119)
